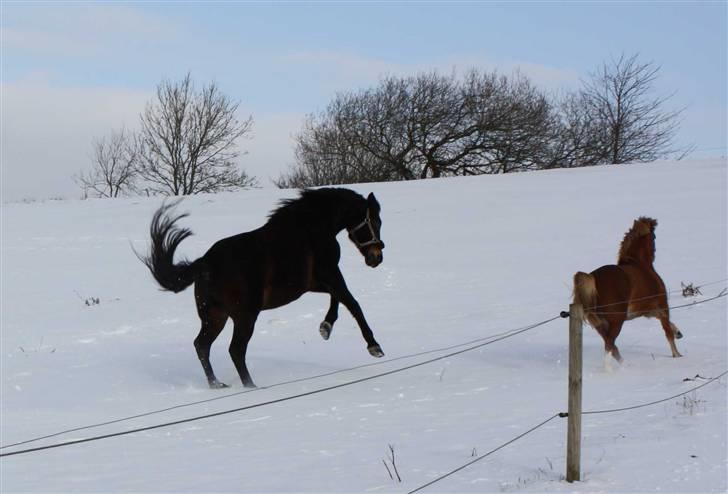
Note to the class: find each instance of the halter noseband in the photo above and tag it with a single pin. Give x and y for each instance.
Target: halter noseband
(368, 223)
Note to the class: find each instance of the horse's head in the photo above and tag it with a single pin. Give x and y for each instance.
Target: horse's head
(639, 241)
(365, 232)
(646, 228)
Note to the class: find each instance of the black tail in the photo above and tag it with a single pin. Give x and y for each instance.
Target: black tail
(165, 239)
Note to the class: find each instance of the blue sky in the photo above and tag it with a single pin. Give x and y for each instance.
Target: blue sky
(75, 71)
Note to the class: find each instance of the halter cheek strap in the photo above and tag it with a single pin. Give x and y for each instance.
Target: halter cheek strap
(366, 223)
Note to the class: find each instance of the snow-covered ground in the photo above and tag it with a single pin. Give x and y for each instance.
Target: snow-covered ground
(465, 258)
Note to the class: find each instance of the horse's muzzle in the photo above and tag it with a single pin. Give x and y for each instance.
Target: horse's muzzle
(374, 257)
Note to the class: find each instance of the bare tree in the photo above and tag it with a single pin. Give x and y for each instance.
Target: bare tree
(442, 123)
(512, 121)
(113, 167)
(428, 125)
(377, 125)
(360, 137)
(188, 140)
(574, 138)
(632, 125)
(324, 156)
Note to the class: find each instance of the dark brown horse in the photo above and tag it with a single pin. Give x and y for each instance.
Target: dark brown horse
(293, 253)
(632, 288)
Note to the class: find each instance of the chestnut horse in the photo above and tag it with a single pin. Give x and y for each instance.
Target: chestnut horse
(632, 288)
(293, 253)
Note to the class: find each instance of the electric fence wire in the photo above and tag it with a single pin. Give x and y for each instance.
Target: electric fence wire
(499, 336)
(278, 400)
(271, 386)
(563, 415)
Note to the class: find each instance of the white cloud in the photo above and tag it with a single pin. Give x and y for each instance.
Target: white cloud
(348, 70)
(706, 127)
(80, 29)
(342, 69)
(270, 151)
(24, 40)
(47, 133)
(546, 77)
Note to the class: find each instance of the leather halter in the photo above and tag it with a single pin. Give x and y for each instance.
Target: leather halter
(366, 223)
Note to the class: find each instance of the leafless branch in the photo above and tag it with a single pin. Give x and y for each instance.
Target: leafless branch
(188, 140)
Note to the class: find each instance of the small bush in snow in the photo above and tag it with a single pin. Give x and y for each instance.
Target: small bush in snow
(689, 290)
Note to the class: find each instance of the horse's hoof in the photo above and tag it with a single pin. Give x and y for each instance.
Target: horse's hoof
(376, 351)
(325, 330)
(218, 385)
(249, 384)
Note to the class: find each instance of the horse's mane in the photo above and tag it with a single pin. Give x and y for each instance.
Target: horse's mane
(628, 249)
(312, 204)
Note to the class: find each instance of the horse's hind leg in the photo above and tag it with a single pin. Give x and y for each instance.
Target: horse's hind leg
(243, 331)
(614, 327)
(614, 352)
(678, 334)
(213, 321)
(604, 328)
(331, 316)
(671, 332)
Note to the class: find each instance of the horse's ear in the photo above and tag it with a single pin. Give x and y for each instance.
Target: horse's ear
(372, 201)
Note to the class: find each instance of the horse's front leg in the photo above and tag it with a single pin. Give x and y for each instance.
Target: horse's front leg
(340, 292)
(331, 316)
(671, 332)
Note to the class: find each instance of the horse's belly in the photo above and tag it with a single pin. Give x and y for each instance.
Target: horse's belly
(276, 298)
(284, 282)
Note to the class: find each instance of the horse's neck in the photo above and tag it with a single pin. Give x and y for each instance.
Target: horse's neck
(342, 214)
(637, 256)
(333, 224)
(638, 264)
(335, 216)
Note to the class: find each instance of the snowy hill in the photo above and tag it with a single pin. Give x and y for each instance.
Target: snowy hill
(87, 337)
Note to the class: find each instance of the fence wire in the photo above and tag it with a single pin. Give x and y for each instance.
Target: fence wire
(317, 376)
(278, 400)
(563, 415)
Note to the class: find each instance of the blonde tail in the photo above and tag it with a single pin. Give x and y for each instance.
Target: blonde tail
(585, 294)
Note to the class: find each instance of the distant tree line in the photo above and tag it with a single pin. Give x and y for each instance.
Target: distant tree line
(433, 125)
(422, 126)
(186, 144)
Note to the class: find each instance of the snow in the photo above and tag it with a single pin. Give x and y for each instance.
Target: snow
(465, 258)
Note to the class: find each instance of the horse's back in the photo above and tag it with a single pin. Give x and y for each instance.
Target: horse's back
(612, 283)
(266, 268)
(232, 253)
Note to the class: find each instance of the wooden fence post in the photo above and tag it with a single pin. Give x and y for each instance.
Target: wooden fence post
(573, 435)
